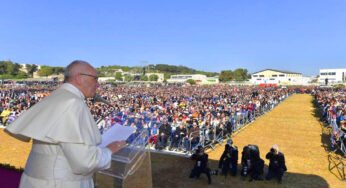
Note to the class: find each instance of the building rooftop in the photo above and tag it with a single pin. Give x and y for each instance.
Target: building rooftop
(283, 71)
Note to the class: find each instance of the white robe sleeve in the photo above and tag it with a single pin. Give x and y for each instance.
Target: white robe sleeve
(63, 117)
(86, 159)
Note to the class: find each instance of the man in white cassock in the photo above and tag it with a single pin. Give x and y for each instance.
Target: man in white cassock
(65, 150)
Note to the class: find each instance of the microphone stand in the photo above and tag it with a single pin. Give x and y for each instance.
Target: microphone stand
(98, 98)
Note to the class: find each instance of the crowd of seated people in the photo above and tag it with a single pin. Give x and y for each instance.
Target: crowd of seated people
(182, 118)
(333, 105)
(175, 117)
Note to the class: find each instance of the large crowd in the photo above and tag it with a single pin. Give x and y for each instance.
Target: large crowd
(333, 105)
(17, 98)
(181, 118)
(188, 119)
(176, 118)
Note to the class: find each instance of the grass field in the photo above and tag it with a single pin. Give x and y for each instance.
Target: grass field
(293, 125)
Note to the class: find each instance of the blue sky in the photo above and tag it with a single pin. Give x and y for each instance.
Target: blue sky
(295, 35)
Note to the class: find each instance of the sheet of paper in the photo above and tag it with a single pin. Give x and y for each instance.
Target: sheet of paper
(116, 133)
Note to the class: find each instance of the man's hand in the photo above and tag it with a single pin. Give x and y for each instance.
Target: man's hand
(116, 146)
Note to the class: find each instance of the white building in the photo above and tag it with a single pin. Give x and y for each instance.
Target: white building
(198, 78)
(332, 76)
(105, 79)
(210, 80)
(23, 68)
(278, 77)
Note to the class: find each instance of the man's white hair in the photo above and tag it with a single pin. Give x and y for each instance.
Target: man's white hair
(276, 148)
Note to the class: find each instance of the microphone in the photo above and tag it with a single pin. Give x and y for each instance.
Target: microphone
(99, 98)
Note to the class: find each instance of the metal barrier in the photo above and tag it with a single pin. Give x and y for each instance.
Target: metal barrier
(336, 162)
(192, 146)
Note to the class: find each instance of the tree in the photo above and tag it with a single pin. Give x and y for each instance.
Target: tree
(226, 76)
(57, 70)
(191, 81)
(144, 78)
(45, 71)
(240, 74)
(21, 75)
(128, 78)
(2, 68)
(126, 69)
(118, 76)
(12, 68)
(167, 76)
(153, 77)
(31, 68)
(9, 70)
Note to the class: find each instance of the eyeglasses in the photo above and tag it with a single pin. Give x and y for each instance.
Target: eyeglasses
(95, 77)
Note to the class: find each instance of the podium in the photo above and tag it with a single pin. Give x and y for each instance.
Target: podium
(131, 166)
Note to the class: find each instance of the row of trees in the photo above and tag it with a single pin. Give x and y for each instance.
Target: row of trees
(10, 70)
(236, 75)
(47, 70)
(167, 70)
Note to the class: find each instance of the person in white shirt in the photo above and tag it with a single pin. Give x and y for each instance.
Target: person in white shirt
(65, 151)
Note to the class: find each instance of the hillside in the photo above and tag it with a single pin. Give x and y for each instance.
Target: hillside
(158, 68)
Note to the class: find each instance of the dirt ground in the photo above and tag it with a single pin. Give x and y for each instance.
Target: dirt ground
(13, 151)
(293, 125)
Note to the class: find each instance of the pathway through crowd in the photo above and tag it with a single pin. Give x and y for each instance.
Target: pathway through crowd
(292, 125)
(295, 128)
